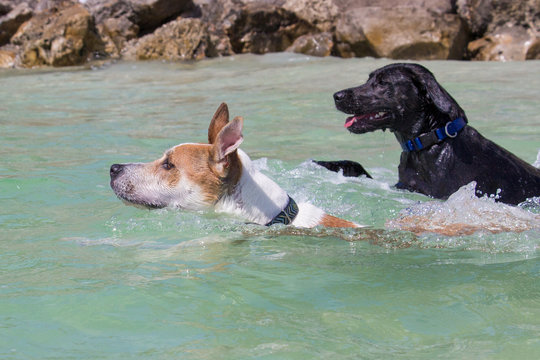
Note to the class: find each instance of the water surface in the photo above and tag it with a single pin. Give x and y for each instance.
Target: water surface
(84, 276)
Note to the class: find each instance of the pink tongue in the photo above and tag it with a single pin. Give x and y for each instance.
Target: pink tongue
(350, 121)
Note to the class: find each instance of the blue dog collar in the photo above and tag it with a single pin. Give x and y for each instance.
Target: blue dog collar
(424, 141)
(286, 216)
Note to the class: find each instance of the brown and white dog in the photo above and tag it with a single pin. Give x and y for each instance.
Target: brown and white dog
(216, 175)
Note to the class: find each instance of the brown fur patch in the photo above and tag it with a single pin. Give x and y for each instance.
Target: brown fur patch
(219, 120)
(332, 221)
(196, 163)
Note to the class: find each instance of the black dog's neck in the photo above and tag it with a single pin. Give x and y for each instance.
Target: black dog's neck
(426, 121)
(430, 127)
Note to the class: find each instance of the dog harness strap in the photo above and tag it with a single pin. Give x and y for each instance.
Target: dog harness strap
(424, 141)
(287, 215)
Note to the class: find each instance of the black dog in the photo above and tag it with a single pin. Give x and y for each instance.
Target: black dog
(441, 152)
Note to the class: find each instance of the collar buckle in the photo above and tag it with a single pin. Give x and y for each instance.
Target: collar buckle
(426, 140)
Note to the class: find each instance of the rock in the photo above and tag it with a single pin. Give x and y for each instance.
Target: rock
(506, 29)
(313, 44)
(350, 39)
(182, 39)
(119, 21)
(116, 22)
(413, 33)
(319, 13)
(534, 51)
(147, 15)
(153, 13)
(219, 17)
(62, 32)
(436, 7)
(7, 58)
(477, 14)
(509, 43)
(408, 29)
(5, 7)
(44, 5)
(523, 13)
(262, 28)
(10, 22)
(58, 37)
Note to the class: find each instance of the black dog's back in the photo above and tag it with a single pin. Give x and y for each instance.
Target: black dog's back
(496, 171)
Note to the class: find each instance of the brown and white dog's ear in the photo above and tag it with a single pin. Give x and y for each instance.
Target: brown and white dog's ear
(228, 139)
(219, 120)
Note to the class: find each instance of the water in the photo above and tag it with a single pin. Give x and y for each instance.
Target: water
(84, 276)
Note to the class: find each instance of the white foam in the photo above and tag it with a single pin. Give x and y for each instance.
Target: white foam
(464, 213)
(536, 164)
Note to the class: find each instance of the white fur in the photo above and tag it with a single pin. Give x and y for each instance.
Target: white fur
(259, 199)
(255, 197)
(138, 185)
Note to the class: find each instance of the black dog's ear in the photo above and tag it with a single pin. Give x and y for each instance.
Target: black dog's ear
(442, 100)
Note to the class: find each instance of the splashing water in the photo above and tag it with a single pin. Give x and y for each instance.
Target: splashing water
(464, 214)
(84, 276)
(537, 162)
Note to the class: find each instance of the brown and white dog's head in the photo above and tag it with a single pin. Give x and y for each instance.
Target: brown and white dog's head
(189, 176)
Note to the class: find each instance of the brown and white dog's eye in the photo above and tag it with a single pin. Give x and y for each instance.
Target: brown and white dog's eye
(167, 165)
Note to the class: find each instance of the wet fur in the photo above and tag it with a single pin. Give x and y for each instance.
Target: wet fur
(407, 100)
(217, 175)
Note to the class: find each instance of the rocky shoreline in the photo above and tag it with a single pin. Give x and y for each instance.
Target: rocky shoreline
(69, 32)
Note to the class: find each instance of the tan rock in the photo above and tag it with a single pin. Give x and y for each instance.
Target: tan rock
(181, 39)
(413, 33)
(313, 44)
(7, 58)
(533, 53)
(58, 37)
(350, 38)
(505, 44)
(320, 13)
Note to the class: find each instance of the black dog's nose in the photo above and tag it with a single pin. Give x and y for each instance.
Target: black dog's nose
(339, 96)
(116, 169)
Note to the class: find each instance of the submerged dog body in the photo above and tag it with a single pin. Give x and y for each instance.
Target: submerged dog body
(216, 175)
(441, 152)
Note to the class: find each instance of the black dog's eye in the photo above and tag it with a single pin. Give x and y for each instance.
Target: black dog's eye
(167, 165)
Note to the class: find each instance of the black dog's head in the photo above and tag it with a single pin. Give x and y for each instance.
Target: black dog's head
(404, 98)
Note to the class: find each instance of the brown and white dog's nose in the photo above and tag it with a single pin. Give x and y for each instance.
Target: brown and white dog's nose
(116, 169)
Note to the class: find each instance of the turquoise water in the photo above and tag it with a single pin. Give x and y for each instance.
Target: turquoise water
(84, 276)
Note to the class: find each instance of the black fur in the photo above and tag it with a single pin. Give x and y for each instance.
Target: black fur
(409, 102)
(349, 168)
